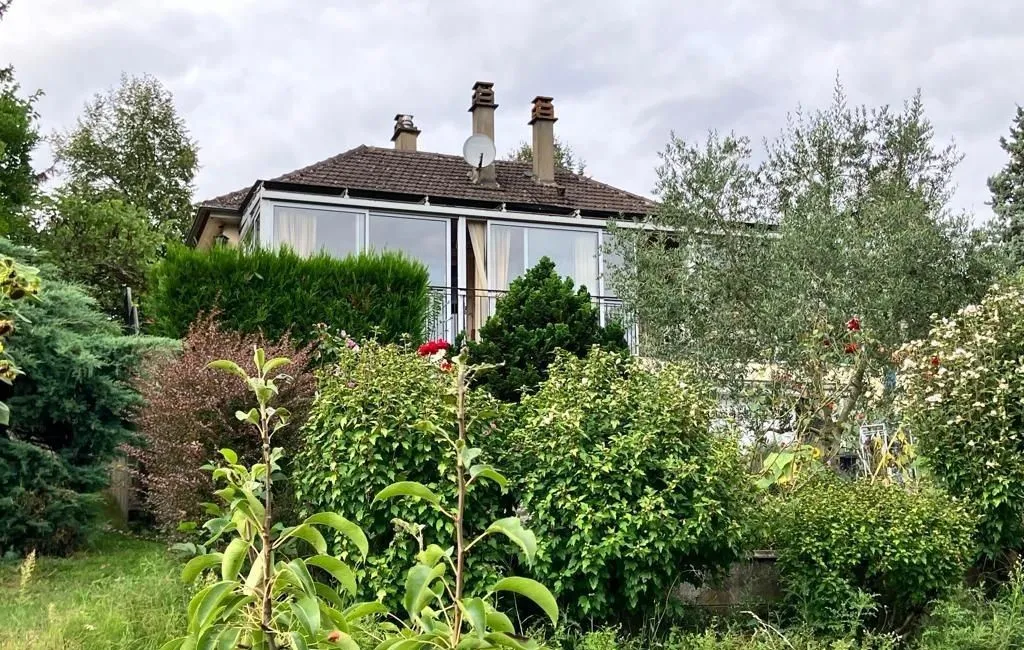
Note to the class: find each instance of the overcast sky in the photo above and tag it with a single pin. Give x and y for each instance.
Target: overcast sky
(270, 86)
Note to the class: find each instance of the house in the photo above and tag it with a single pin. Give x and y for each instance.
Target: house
(476, 229)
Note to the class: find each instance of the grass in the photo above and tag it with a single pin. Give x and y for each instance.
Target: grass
(122, 593)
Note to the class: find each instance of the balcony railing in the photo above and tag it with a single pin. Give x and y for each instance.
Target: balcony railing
(464, 310)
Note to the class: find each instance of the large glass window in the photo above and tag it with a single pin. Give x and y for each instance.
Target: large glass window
(308, 230)
(425, 240)
(517, 248)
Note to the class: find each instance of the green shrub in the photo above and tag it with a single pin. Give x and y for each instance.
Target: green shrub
(38, 508)
(277, 291)
(960, 397)
(540, 313)
(75, 398)
(362, 435)
(626, 485)
(860, 551)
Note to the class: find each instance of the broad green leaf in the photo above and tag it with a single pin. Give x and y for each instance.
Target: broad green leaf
(5, 414)
(228, 638)
(328, 595)
(304, 532)
(255, 576)
(197, 565)
(476, 614)
(533, 590)
(259, 357)
(298, 643)
(229, 455)
(500, 622)
(234, 556)
(415, 643)
(469, 454)
(488, 472)
(408, 489)
(330, 615)
(343, 526)
(208, 639)
(298, 567)
(228, 366)
(203, 605)
(512, 527)
(238, 603)
(419, 587)
(252, 416)
(174, 644)
(473, 643)
(307, 609)
(345, 641)
(362, 610)
(338, 570)
(430, 555)
(274, 364)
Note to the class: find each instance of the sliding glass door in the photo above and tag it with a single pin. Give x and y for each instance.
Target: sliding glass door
(513, 249)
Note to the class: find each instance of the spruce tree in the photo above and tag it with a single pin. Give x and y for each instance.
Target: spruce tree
(1007, 189)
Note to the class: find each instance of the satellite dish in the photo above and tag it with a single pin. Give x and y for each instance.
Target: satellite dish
(478, 151)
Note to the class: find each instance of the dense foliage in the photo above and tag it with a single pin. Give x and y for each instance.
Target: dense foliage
(75, 398)
(625, 483)
(846, 215)
(189, 414)
(961, 391)
(277, 292)
(1007, 188)
(362, 434)
(856, 551)
(129, 143)
(41, 506)
(19, 135)
(541, 313)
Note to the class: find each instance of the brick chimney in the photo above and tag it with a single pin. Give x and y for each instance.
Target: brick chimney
(542, 119)
(405, 133)
(482, 107)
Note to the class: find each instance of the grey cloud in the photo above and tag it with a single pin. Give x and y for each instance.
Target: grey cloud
(268, 87)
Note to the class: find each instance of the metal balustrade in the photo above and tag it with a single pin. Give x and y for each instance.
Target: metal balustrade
(453, 311)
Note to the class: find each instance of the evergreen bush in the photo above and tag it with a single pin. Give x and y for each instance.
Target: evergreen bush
(75, 400)
(625, 484)
(541, 313)
(277, 292)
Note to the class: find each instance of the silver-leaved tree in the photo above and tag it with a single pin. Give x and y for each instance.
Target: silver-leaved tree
(804, 270)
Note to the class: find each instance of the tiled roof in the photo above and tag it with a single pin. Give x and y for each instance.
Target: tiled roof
(438, 176)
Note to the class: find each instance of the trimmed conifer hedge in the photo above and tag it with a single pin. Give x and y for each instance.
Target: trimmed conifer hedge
(278, 291)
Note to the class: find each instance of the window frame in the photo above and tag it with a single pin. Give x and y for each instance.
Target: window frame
(526, 248)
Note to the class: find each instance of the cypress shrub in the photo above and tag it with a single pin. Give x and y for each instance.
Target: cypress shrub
(275, 292)
(541, 313)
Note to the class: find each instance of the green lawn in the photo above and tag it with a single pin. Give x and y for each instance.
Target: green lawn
(121, 593)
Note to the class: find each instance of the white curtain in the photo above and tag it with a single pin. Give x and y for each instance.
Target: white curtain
(501, 237)
(295, 228)
(481, 301)
(584, 259)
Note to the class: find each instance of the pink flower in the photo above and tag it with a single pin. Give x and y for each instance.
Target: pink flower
(432, 347)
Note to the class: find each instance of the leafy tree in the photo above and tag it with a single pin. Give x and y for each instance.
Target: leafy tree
(75, 399)
(1007, 188)
(101, 243)
(566, 158)
(19, 135)
(847, 217)
(131, 144)
(540, 313)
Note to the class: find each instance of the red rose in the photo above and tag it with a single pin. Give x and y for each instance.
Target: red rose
(850, 348)
(853, 324)
(935, 360)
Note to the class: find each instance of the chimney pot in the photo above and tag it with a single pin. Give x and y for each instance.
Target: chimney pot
(405, 133)
(542, 119)
(482, 107)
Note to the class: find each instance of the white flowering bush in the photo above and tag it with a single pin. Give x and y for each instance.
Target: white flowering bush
(962, 396)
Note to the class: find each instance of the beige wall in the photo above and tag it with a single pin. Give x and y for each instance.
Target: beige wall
(213, 228)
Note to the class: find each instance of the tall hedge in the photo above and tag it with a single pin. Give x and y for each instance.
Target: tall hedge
(277, 291)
